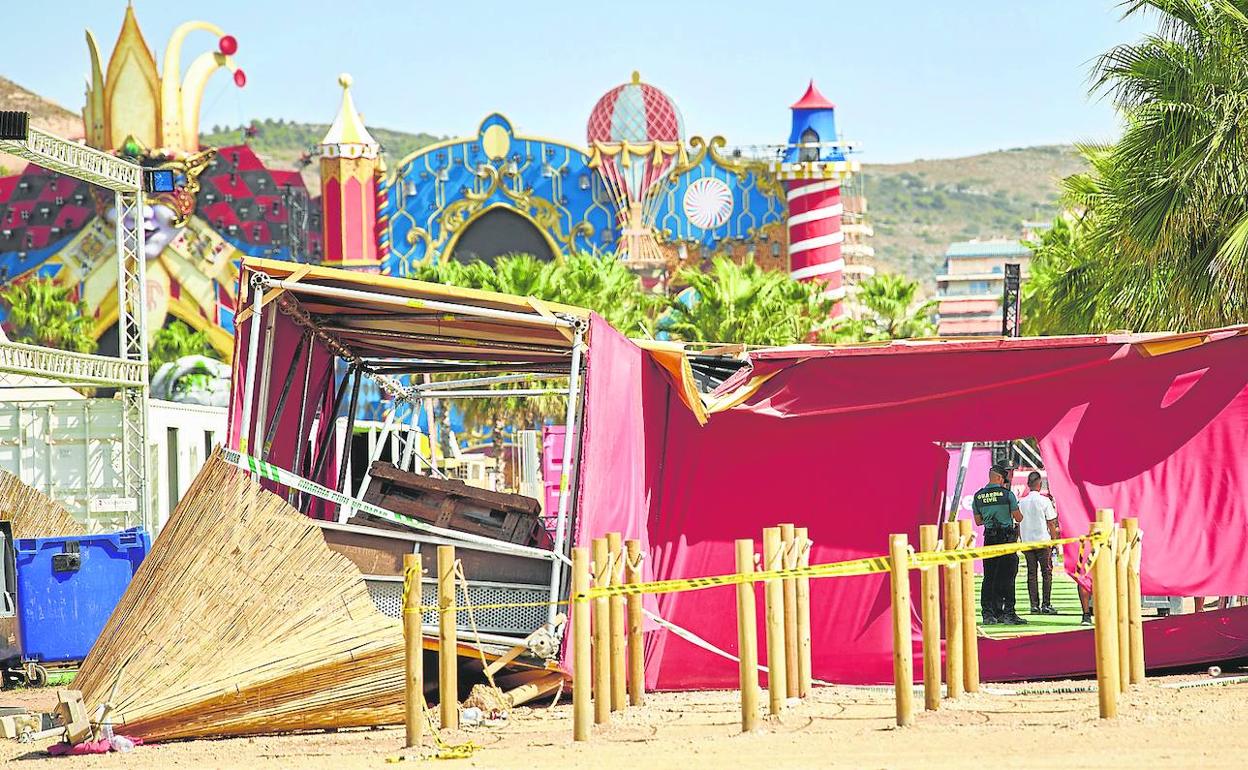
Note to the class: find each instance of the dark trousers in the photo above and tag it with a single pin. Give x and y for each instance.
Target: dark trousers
(1039, 560)
(997, 595)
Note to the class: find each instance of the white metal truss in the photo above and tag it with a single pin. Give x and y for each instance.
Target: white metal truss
(128, 371)
(63, 366)
(132, 340)
(77, 160)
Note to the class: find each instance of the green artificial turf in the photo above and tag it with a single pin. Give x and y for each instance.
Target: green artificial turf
(1065, 601)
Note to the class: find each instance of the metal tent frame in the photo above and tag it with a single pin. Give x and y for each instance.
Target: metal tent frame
(384, 327)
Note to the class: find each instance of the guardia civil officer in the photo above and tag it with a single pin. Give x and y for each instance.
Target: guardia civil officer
(997, 510)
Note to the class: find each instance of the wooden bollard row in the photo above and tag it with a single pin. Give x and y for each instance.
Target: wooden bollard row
(787, 618)
(605, 630)
(1116, 604)
(413, 645)
(1119, 638)
(607, 639)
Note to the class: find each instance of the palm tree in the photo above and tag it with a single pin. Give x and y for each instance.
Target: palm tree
(1164, 241)
(604, 284)
(175, 341)
(890, 309)
(41, 313)
(744, 303)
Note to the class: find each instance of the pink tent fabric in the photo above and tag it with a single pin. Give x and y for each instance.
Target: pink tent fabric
(845, 442)
(286, 336)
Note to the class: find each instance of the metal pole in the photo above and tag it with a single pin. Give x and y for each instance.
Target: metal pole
(300, 433)
(345, 511)
(262, 395)
(253, 345)
(569, 446)
(497, 393)
(422, 304)
(430, 410)
(269, 431)
(474, 381)
(964, 462)
(345, 456)
(413, 436)
(326, 435)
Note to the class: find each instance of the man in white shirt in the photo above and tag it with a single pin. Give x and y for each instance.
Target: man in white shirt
(1039, 523)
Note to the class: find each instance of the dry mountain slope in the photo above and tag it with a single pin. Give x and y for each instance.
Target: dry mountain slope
(44, 114)
(918, 208)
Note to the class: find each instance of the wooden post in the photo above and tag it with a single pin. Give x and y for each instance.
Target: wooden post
(773, 600)
(581, 671)
(789, 561)
(1135, 600)
(953, 617)
(1105, 606)
(903, 653)
(448, 641)
(636, 624)
(602, 636)
(805, 673)
(930, 582)
(747, 637)
(413, 651)
(970, 614)
(1121, 556)
(619, 629)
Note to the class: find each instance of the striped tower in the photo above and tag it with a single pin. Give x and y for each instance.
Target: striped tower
(815, 233)
(812, 168)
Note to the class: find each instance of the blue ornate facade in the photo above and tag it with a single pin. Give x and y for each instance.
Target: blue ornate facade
(438, 194)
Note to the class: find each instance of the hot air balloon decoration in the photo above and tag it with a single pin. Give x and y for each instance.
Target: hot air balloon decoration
(636, 137)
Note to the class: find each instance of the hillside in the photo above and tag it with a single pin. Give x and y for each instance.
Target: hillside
(44, 114)
(283, 142)
(918, 208)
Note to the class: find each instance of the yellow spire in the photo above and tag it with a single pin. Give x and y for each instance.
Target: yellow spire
(348, 137)
(131, 89)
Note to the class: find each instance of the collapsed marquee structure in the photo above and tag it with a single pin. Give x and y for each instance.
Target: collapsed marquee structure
(1149, 425)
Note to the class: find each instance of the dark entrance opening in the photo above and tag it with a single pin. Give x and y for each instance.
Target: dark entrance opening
(501, 231)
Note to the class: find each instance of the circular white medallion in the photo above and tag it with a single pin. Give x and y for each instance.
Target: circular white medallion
(708, 203)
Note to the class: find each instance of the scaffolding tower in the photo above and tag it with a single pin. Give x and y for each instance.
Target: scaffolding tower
(128, 371)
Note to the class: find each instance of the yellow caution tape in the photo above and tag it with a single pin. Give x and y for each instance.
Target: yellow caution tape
(869, 566)
(936, 558)
(475, 607)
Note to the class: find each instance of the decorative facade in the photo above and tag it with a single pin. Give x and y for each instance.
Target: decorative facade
(639, 189)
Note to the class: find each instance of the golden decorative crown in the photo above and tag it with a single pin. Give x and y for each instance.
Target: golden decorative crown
(132, 110)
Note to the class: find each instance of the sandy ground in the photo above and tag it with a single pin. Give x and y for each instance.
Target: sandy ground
(838, 727)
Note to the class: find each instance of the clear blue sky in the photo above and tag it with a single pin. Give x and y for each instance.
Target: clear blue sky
(911, 78)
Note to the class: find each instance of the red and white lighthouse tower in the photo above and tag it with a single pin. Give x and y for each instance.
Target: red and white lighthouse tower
(812, 169)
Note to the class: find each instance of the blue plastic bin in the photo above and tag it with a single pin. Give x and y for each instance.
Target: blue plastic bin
(63, 600)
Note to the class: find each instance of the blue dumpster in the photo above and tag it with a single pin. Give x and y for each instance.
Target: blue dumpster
(68, 586)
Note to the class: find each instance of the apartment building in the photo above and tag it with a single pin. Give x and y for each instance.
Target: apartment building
(970, 287)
